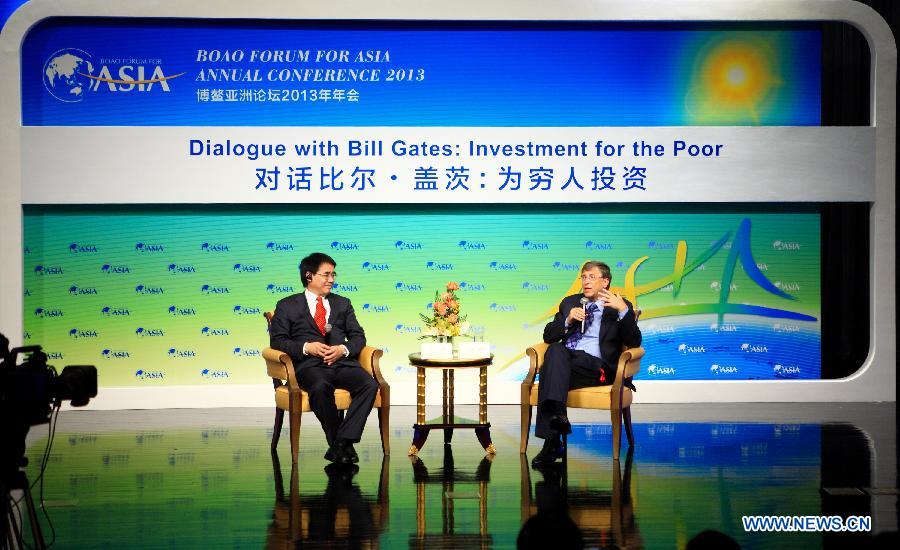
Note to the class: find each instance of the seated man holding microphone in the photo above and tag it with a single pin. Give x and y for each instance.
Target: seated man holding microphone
(586, 337)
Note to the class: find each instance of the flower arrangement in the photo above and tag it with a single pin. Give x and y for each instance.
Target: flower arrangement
(446, 320)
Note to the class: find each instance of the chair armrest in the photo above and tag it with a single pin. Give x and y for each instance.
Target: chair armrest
(279, 365)
(629, 365)
(536, 359)
(370, 359)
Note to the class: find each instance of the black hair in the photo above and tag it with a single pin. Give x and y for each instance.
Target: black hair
(310, 265)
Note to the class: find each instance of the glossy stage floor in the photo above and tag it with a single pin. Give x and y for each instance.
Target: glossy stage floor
(204, 478)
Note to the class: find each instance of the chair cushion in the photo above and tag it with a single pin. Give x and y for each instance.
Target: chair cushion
(595, 397)
(341, 399)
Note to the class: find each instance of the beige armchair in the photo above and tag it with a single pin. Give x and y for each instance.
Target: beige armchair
(615, 398)
(291, 398)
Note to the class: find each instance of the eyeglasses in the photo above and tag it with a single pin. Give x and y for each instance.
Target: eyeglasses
(591, 277)
(329, 275)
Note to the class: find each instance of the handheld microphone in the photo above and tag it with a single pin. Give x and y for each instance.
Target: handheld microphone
(584, 302)
(328, 328)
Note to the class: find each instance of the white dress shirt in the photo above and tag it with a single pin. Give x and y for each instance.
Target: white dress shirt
(311, 299)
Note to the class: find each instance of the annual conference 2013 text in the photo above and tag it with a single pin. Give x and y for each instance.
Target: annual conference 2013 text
(404, 148)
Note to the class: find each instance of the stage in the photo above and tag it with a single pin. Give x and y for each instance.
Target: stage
(205, 477)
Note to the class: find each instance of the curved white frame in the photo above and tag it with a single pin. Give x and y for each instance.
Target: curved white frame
(874, 381)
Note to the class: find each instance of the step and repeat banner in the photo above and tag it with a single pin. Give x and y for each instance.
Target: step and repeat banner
(178, 298)
(417, 154)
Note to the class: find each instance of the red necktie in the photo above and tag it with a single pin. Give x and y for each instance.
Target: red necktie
(320, 315)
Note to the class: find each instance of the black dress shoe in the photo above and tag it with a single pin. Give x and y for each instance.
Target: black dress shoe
(338, 454)
(351, 453)
(330, 454)
(549, 454)
(560, 424)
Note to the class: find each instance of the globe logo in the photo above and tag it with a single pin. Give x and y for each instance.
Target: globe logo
(64, 74)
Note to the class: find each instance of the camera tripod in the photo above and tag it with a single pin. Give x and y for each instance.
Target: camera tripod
(12, 526)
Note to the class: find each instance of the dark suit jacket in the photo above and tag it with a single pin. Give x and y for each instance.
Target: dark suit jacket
(293, 325)
(613, 332)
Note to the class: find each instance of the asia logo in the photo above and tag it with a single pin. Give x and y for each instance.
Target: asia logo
(45, 313)
(114, 354)
(48, 270)
(115, 311)
(785, 245)
(76, 248)
(787, 286)
(206, 373)
(145, 248)
(71, 72)
(214, 247)
(469, 286)
(207, 331)
(279, 247)
(684, 348)
(654, 370)
(246, 352)
(338, 245)
(723, 369)
(786, 371)
(272, 288)
(83, 333)
(407, 329)
(175, 268)
(405, 245)
(176, 353)
(211, 289)
(504, 308)
(408, 287)
(76, 290)
(377, 308)
(561, 266)
(598, 246)
(246, 310)
(535, 245)
(438, 266)
(141, 332)
(472, 245)
(535, 287)
(750, 348)
(373, 266)
(503, 266)
(148, 374)
(182, 311)
(247, 268)
(110, 269)
(653, 330)
(149, 290)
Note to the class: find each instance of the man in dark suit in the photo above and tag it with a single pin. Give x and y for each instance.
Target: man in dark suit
(586, 337)
(320, 332)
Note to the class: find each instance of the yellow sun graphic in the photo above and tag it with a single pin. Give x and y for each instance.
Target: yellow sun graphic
(733, 81)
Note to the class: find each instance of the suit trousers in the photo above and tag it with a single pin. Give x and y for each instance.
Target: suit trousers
(320, 381)
(565, 370)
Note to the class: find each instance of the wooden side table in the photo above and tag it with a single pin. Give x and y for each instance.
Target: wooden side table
(448, 422)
